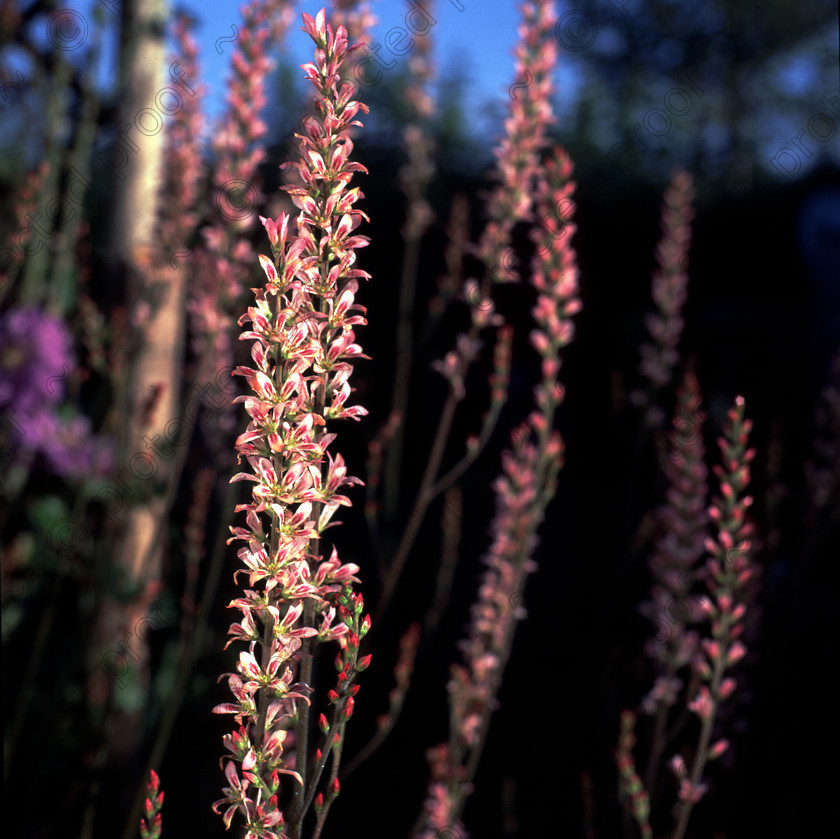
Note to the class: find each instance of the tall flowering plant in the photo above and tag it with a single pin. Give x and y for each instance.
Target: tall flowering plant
(523, 490)
(726, 576)
(673, 564)
(670, 292)
(728, 573)
(302, 328)
(224, 257)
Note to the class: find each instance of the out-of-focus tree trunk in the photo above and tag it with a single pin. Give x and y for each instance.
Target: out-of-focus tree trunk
(154, 294)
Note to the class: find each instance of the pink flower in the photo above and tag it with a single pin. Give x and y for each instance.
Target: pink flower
(530, 466)
(416, 174)
(718, 749)
(690, 793)
(517, 156)
(726, 580)
(670, 290)
(303, 344)
(183, 167)
(224, 258)
(151, 823)
(702, 704)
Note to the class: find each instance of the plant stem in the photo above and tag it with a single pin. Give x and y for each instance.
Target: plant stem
(702, 750)
(402, 380)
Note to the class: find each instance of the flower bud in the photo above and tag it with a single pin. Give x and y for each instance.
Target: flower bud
(727, 686)
(718, 749)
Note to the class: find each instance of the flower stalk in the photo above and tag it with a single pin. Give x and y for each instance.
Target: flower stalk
(150, 824)
(728, 570)
(302, 328)
(632, 789)
(523, 491)
(670, 291)
(510, 202)
(673, 565)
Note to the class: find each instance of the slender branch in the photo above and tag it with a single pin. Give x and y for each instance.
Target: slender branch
(402, 378)
(306, 666)
(421, 504)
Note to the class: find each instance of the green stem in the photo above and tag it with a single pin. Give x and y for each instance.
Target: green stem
(424, 498)
(331, 796)
(702, 747)
(658, 741)
(402, 380)
(305, 674)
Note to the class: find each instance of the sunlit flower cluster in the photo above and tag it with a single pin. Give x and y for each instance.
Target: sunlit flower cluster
(301, 325)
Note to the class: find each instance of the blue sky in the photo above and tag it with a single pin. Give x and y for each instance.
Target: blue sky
(479, 39)
(482, 41)
(475, 41)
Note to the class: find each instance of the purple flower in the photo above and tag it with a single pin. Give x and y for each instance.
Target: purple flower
(36, 359)
(67, 444)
